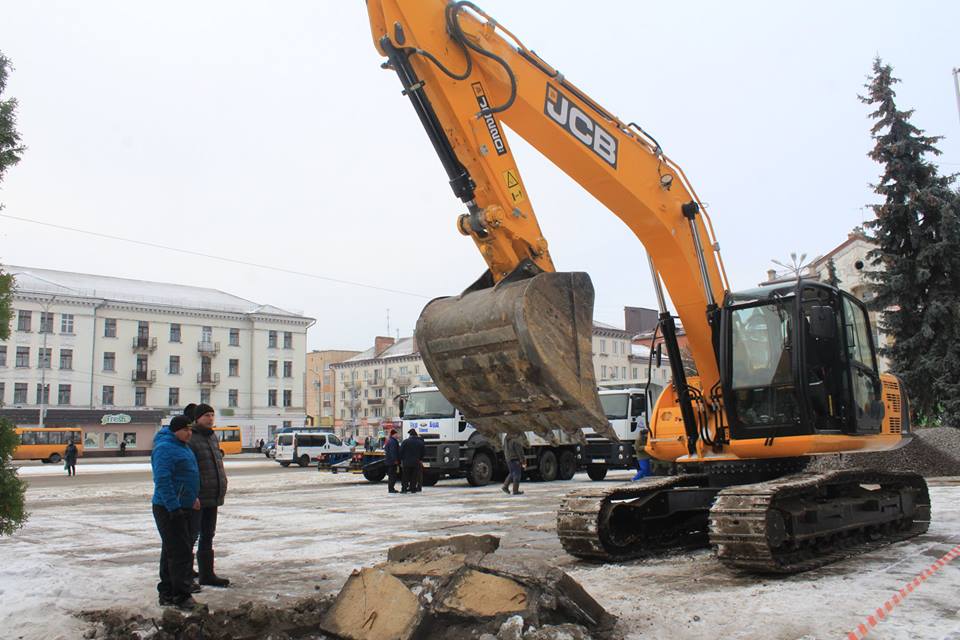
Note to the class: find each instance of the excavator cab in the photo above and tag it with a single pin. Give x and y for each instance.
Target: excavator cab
(799, 359)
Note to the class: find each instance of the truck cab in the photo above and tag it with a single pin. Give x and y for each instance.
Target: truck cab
(627, 414)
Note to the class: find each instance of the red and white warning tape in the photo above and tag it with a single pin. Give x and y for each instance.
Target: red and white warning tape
(881, 613)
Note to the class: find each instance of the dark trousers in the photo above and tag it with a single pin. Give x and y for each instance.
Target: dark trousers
(203, 528)
(176, 554)
(409, 481)
(392, 474)
(71, 468)
(515, 475)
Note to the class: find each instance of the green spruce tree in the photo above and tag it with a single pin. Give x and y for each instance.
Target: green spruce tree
(832, 279)
(915, 274)
(12, 488)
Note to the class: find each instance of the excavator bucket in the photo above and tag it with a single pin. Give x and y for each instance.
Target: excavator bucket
(517, 356)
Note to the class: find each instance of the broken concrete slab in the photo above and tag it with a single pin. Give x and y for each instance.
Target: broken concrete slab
(484, 595)
(418, 569)
(439, 547)
(373, 605)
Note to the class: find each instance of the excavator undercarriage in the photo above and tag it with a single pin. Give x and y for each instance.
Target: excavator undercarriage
(789, 524)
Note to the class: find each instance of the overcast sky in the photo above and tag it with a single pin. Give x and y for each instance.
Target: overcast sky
(268, 132)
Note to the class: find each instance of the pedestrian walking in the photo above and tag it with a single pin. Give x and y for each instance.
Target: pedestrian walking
(123, 448)
(392, 460)
(176, 482)
(213, 489)
(513, 453)
(643, 458)
(70, 459)
(412, 451)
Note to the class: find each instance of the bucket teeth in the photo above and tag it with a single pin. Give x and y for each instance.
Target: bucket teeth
(517, 356)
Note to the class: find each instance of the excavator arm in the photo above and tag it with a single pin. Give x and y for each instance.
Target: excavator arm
(514, 349)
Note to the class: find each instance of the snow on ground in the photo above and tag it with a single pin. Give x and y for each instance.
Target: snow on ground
(286, 533)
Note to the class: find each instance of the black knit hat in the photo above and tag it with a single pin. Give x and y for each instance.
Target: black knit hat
(188, 411)
(412, 432)
(201, 409)
(179, 422)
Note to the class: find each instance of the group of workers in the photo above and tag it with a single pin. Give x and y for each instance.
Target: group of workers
(404, 459)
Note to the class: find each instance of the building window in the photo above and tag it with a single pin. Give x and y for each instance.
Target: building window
(175, 365)
(287, 368)
(603, 346)
(603, 372)
(623, 372)
(287, 398)
(3, 391)
(288, 340)
(272, 368)
(66, 323)
(403, 390)
(635, 376)
(110, 328)
(174, 333)
(287, 424)
(143, 332)
(206, 334)
(272, 340)
(234, 337)
(44, 355)
(378, 393)
(3, 355)
(272, 398)
(20, 393)
(23, 357)
(233, 397)
(109, 361)
(233, 368)
(377, 412)
(43, 394)
(107, 395)
(205, 396)
(140, 397)
(173, 397)
(63, 394)
(23, 320)
(46, 322)
(616, 347)
(66, 359)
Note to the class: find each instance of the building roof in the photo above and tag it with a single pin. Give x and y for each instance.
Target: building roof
(813, 267)
(403, 347)
(82, 285)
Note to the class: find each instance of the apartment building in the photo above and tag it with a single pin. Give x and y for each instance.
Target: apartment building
(117, 357)
(321, 392)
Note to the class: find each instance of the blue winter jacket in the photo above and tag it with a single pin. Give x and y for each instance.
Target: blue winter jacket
(176, 477)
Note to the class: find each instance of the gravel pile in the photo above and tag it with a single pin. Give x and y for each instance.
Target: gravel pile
(933, 452)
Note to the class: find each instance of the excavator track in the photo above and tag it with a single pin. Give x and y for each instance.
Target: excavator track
(806, 520)
(587, 526)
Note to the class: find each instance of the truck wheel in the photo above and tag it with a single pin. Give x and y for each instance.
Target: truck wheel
(481, 470)
(284, 464)
(55, 458)
(546, 467)
(303, 460)
(374, 475)
(597, 471)
(430, 478)
(567, 466)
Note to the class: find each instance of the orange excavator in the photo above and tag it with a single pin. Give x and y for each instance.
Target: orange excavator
(784, 372)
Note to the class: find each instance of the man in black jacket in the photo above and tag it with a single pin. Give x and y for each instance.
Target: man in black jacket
(412, 452)
(213, 488)
(391, 452)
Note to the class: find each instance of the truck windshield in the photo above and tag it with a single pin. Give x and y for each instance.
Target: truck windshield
(615, 406)
(427, 404)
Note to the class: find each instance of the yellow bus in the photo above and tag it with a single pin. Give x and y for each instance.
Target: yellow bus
(46, 444)
(229, 438)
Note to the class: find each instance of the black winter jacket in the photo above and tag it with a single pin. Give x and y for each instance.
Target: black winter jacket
(412, 451)
(213, 479)
(392, 451)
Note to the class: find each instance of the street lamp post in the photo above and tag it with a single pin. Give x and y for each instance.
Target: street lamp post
(956, 87)
(44, 394)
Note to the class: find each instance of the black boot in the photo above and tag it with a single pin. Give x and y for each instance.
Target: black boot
(207, 576)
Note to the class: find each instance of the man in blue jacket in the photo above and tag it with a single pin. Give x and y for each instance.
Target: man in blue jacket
(176, 486)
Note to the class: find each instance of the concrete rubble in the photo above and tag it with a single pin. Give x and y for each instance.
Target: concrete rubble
(459, 587)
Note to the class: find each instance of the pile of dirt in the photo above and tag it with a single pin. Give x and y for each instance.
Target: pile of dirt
(248, 621)
(456, 588)
(933, 452)
(439, 589)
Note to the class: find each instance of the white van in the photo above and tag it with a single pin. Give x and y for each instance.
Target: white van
(302, 448)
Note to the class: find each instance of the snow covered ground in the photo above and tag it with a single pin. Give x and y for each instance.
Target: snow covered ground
(285, 533)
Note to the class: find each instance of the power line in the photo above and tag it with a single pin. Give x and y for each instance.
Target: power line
(156, 245)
